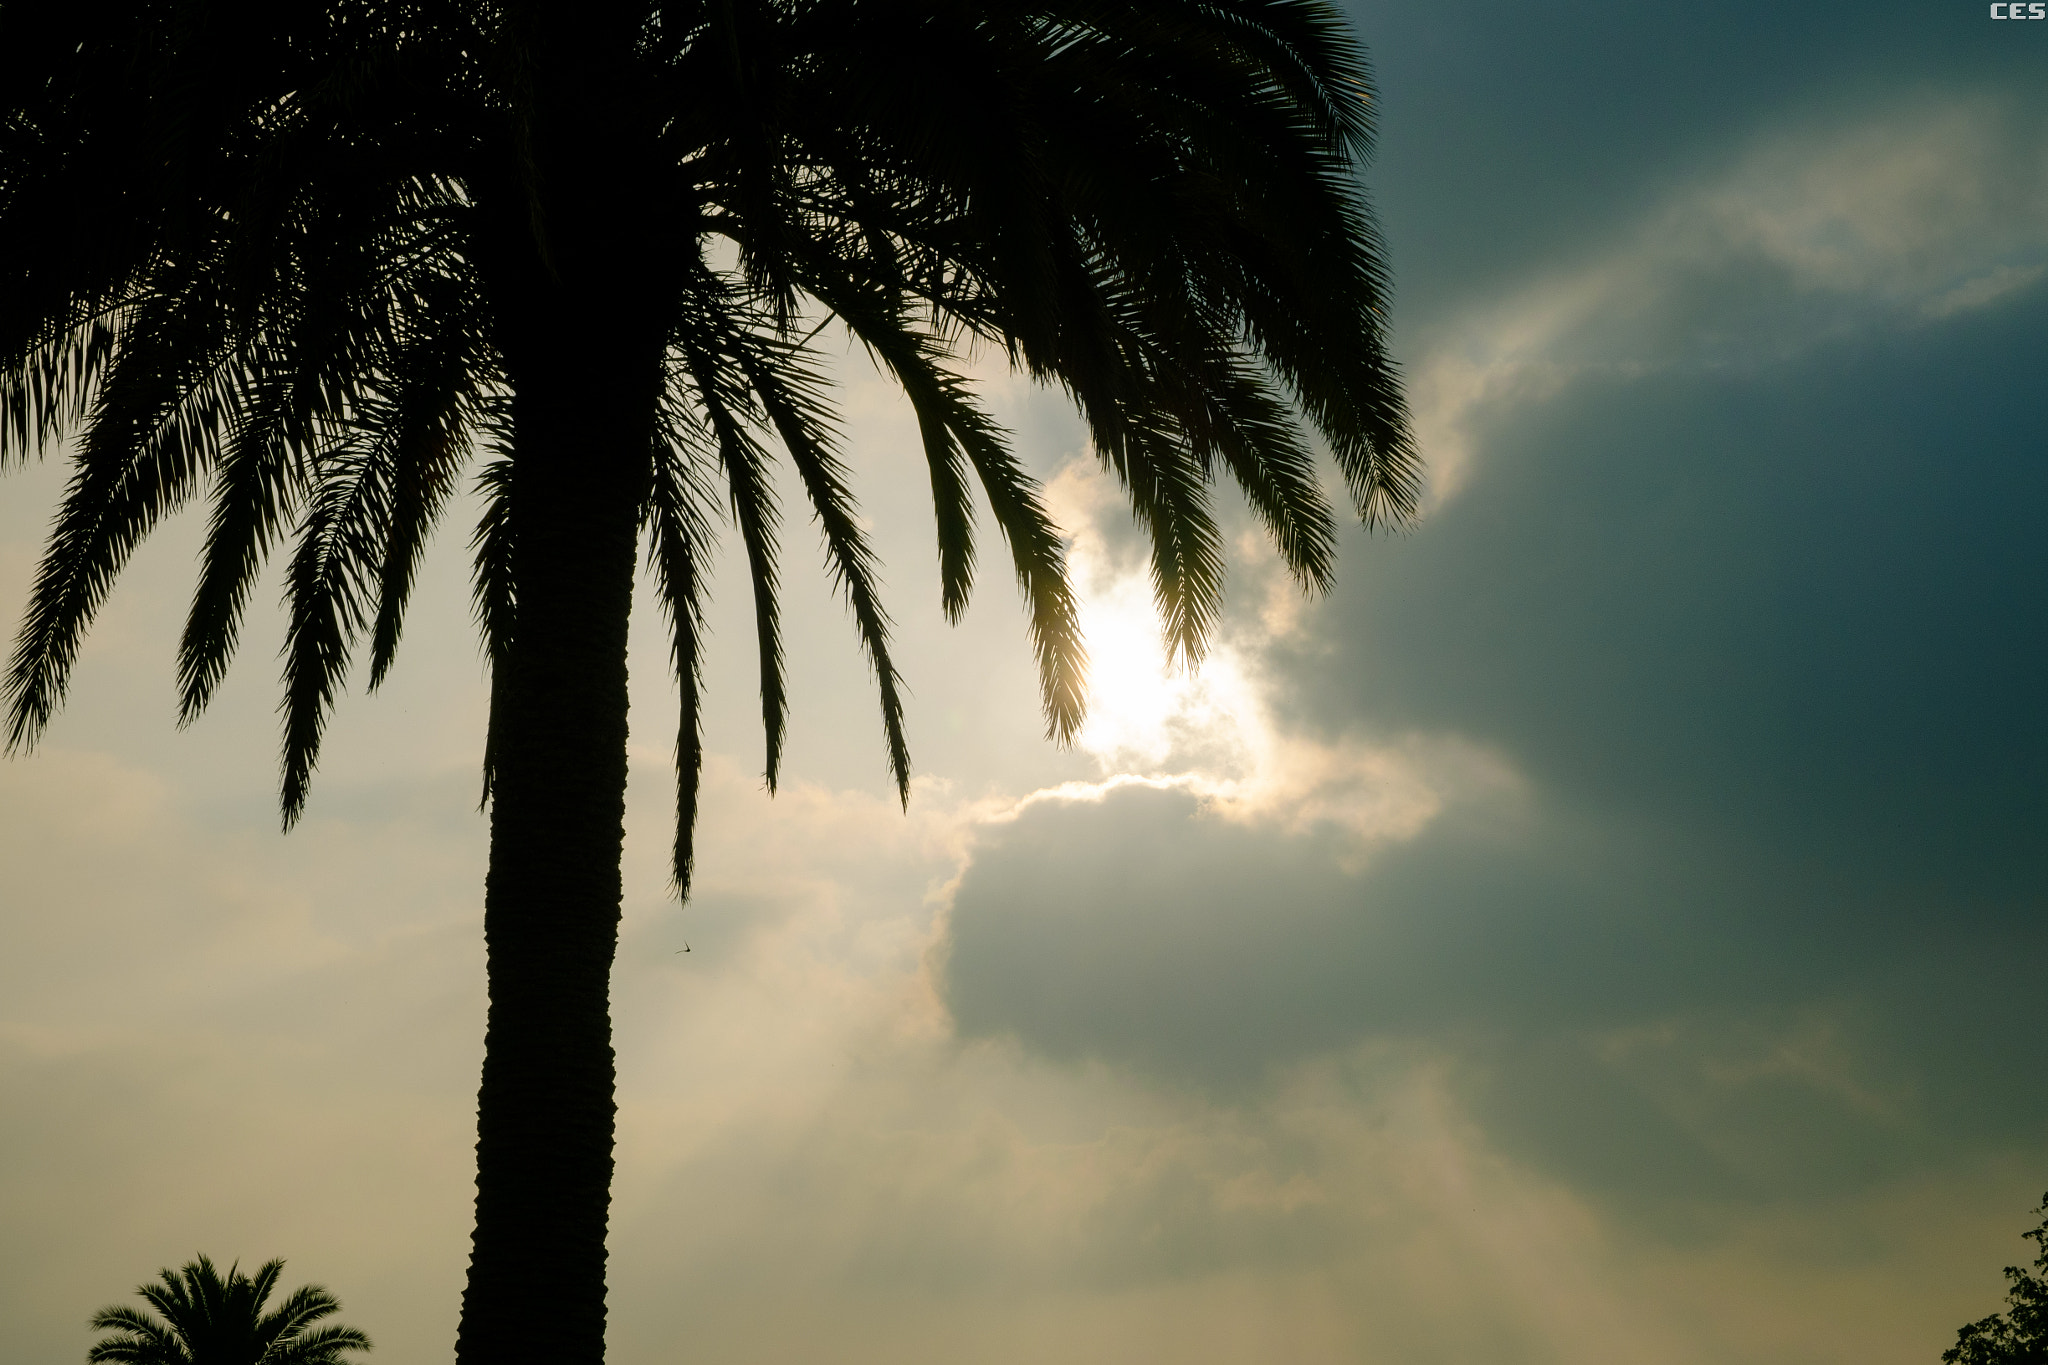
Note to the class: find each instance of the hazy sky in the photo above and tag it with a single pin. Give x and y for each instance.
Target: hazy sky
(1609, 928)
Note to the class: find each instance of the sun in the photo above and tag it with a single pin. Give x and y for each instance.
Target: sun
(1144, 716)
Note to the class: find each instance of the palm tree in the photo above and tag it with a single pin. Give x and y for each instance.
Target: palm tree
(311, 259)
(206, 1320)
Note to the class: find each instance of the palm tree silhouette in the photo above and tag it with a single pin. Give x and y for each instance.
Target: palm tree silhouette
(311, 259)
(203, 1319)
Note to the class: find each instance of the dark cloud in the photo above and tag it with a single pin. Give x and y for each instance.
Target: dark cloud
(1511, 133)
(1646, 1018)
(1798, 611)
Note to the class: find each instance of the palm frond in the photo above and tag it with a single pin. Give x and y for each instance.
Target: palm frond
(307, 1303)
(753, 504)
(157, 428)
(680, 532)
(493, 594)
(788, 391)
(322, 1346)
(953, 427)
(327, 590)
(432, 417)
(253, 494)
(49, 387)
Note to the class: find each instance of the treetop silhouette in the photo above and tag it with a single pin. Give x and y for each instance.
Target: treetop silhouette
(2018, 1336)
(203, 1318)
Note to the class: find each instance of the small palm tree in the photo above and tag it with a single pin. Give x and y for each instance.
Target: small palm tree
(210, 1320)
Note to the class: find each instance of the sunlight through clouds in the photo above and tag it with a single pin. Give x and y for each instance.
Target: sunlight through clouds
(1212, 729)
(1141, 712)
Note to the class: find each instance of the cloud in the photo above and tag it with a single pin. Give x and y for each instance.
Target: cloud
(1673, 778)
(806, 1159)
(1984, 290)
(1935, 208)
(1605, 931)
(811, 1161)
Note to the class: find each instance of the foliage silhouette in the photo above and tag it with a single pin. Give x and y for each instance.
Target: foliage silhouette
(2018, 1336)
(313, 261)
(203, 1319)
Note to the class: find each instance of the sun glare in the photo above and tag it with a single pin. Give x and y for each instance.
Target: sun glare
(1211, 730)
(1142, 713)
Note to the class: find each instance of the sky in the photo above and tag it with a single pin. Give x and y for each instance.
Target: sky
(1607, 927)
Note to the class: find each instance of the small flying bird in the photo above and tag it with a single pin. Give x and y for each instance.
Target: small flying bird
(684, 949)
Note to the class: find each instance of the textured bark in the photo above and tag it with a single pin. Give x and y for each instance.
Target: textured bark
(570, 255)
(545, 1109)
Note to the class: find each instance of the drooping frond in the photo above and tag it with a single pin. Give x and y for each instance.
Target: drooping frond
(157, 428)
(954, 428)
(337, 572)
(253, 495)
(788, 391)
(1168, 488)
(1203, 152)
(143, 1340)
(49, 387)
(434, 415)
(270, 265)
(680, 533)
(754, 510)
(1039, 558)
(493, 593)
(215, 279)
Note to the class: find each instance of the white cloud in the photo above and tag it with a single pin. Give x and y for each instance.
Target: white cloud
(1984, 290)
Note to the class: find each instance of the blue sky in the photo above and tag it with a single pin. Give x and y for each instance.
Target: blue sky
(1608, 927)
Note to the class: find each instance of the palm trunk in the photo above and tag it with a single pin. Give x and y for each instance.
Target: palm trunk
(545, 1109)
(568, 250)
